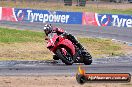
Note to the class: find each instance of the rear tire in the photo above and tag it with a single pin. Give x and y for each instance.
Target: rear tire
(87, 59)
(63, 57)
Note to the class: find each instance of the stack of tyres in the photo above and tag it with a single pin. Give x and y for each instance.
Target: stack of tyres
(68, 2)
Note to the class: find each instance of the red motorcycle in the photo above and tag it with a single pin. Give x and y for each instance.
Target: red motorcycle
(65, 50)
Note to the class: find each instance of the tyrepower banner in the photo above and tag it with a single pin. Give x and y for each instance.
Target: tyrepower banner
(107, 19)
(43, 16)
(46, 16)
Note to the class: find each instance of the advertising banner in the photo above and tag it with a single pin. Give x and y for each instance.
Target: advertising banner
(45, 16)
(107, 19)
(114, 20)
(7, 14)
(0, 12)
(88, 18)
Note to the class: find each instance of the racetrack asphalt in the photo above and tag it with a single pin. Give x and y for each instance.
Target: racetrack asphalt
(102, 65)
(122, 64)
(118, 33)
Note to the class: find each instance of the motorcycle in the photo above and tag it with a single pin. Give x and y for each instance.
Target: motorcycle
(65, 50)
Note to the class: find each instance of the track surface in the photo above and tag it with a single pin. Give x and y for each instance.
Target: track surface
(114, 65)
(123, 34)
(108, 65)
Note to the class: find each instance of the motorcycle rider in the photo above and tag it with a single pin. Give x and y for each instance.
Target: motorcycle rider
(48, 28)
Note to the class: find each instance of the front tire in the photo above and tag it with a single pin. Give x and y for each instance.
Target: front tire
(55, 57)
(68, 60)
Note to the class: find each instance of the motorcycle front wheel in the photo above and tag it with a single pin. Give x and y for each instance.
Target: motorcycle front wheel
(65, 57)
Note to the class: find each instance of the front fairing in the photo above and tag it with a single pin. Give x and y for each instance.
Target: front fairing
(51, 41)
(56, 41)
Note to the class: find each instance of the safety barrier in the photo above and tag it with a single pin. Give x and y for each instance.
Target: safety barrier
(45, 16)
(107, 19)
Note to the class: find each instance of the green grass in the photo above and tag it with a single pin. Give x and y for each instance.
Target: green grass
(99, 8)
(12, 35)
(114, 11)
(30, 45)
(99, 47)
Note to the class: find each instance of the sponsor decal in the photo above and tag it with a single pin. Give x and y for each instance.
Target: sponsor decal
(122, 21)
(105, 20)
(88, 18)
(102, 20)
(83, 77)
(20, 15)
(51, 17)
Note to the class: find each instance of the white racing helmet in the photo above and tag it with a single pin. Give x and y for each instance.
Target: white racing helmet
(48, 28)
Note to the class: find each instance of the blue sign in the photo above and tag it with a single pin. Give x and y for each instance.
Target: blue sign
(114, 20)
(45, 16)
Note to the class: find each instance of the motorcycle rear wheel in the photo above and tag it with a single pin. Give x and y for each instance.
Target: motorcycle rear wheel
(87, 60)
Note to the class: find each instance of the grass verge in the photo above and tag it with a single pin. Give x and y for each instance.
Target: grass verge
(30, 45)
(112, 8)
(11, 36)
